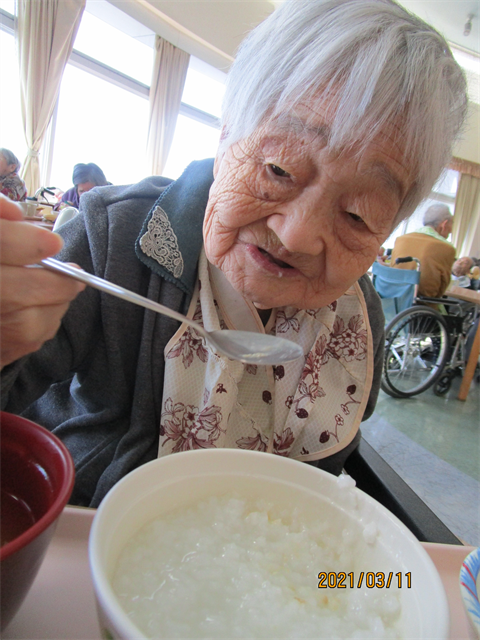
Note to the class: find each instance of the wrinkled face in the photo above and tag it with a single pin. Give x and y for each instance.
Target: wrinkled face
(290, 223)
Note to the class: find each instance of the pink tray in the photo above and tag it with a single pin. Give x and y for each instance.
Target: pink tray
(61, 603)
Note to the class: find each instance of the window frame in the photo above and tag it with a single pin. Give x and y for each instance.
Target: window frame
(107, 74)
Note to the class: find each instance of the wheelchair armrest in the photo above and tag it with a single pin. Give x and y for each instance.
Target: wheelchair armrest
(445, 300)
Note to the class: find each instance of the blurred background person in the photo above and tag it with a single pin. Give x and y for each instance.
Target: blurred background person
(462, 266)
(465, 273)
(85, 177)
(11, 185)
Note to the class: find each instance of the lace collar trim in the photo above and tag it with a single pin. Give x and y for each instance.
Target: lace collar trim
(161, 244)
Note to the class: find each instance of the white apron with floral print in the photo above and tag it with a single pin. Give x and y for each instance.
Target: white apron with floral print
(306, 409)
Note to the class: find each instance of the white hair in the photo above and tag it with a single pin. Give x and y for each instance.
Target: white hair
(381, 63)
(436, 214)
(10, 158)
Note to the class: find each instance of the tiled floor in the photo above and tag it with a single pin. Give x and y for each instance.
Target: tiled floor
(434, 445)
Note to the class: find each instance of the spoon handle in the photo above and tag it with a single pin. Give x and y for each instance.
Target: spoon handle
(118, 291)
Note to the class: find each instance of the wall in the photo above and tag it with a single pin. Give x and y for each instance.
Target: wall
(475, 252)
(468, 147)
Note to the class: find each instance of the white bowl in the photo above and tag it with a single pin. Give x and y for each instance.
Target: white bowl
(470, 587)
(183, 479)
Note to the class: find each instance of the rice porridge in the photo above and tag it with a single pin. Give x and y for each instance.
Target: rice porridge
(241, 567)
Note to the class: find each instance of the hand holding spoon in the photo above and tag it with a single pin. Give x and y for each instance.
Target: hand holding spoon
(246, 346)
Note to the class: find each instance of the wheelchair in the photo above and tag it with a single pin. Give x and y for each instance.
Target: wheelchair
(423, 347)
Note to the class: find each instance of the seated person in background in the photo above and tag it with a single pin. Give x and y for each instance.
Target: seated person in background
(11, 185)
(85, 177)
(429, 244)
(320, 158)
(382, 255)
(465, 273)
(462, 266)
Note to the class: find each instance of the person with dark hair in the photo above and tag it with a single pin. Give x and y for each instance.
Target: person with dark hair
(11, 185)
(338, 118)
(85, 177)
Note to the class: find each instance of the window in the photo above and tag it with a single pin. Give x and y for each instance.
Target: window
(11, 125)
(103, 109)
(102, 113)
(192, 141)
(470, 62)
(114, 48)
(8, 6)
(443, 192)
(204, 87)
(197, 133)
(102, 123)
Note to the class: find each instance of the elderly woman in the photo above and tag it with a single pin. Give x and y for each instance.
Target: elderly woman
(338, 118)
(11, 185)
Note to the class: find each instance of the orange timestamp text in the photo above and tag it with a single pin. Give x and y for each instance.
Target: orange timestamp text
(369, 579)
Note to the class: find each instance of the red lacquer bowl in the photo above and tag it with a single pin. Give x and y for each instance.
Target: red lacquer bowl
(37, 476)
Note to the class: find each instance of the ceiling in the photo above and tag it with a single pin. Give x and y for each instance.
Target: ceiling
(449, 17)
(212, 30)
(224, 23)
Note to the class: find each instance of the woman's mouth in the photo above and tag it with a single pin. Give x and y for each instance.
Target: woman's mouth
(270, 263)
(280, 263)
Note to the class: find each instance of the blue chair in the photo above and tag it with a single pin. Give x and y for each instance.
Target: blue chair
(396, 287)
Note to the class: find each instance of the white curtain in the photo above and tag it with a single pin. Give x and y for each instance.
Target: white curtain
(467, 214)
(168, 79)
(45, 31)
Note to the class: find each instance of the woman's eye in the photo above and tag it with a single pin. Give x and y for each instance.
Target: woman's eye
(278, 171)
(354, 217)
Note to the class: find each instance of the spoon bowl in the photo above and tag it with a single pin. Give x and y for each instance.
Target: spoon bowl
(245, 346)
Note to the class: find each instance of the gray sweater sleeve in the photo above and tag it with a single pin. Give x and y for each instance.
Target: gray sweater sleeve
(99, 239)
(97, 385)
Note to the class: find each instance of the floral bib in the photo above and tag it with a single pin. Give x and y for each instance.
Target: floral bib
(306, 409)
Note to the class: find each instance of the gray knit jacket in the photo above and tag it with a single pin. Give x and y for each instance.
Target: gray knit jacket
(98, 383)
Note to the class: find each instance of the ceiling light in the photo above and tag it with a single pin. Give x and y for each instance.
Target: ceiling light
(468, 25)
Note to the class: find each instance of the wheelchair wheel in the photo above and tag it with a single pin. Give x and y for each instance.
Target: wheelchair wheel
(416, 349)
(443, 384)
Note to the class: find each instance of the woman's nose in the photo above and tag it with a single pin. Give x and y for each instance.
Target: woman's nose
(301, 227)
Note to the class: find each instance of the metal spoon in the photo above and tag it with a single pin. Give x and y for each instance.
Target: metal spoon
(246, 346)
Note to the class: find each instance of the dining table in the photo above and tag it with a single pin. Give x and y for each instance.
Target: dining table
(61, 603)
(39, 221)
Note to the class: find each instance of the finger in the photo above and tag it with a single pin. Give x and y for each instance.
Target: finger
(25, 331)
(24, 287)
(25, 243)
(9, 210)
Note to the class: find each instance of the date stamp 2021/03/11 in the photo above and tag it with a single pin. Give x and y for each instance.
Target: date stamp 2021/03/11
(369, 579)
